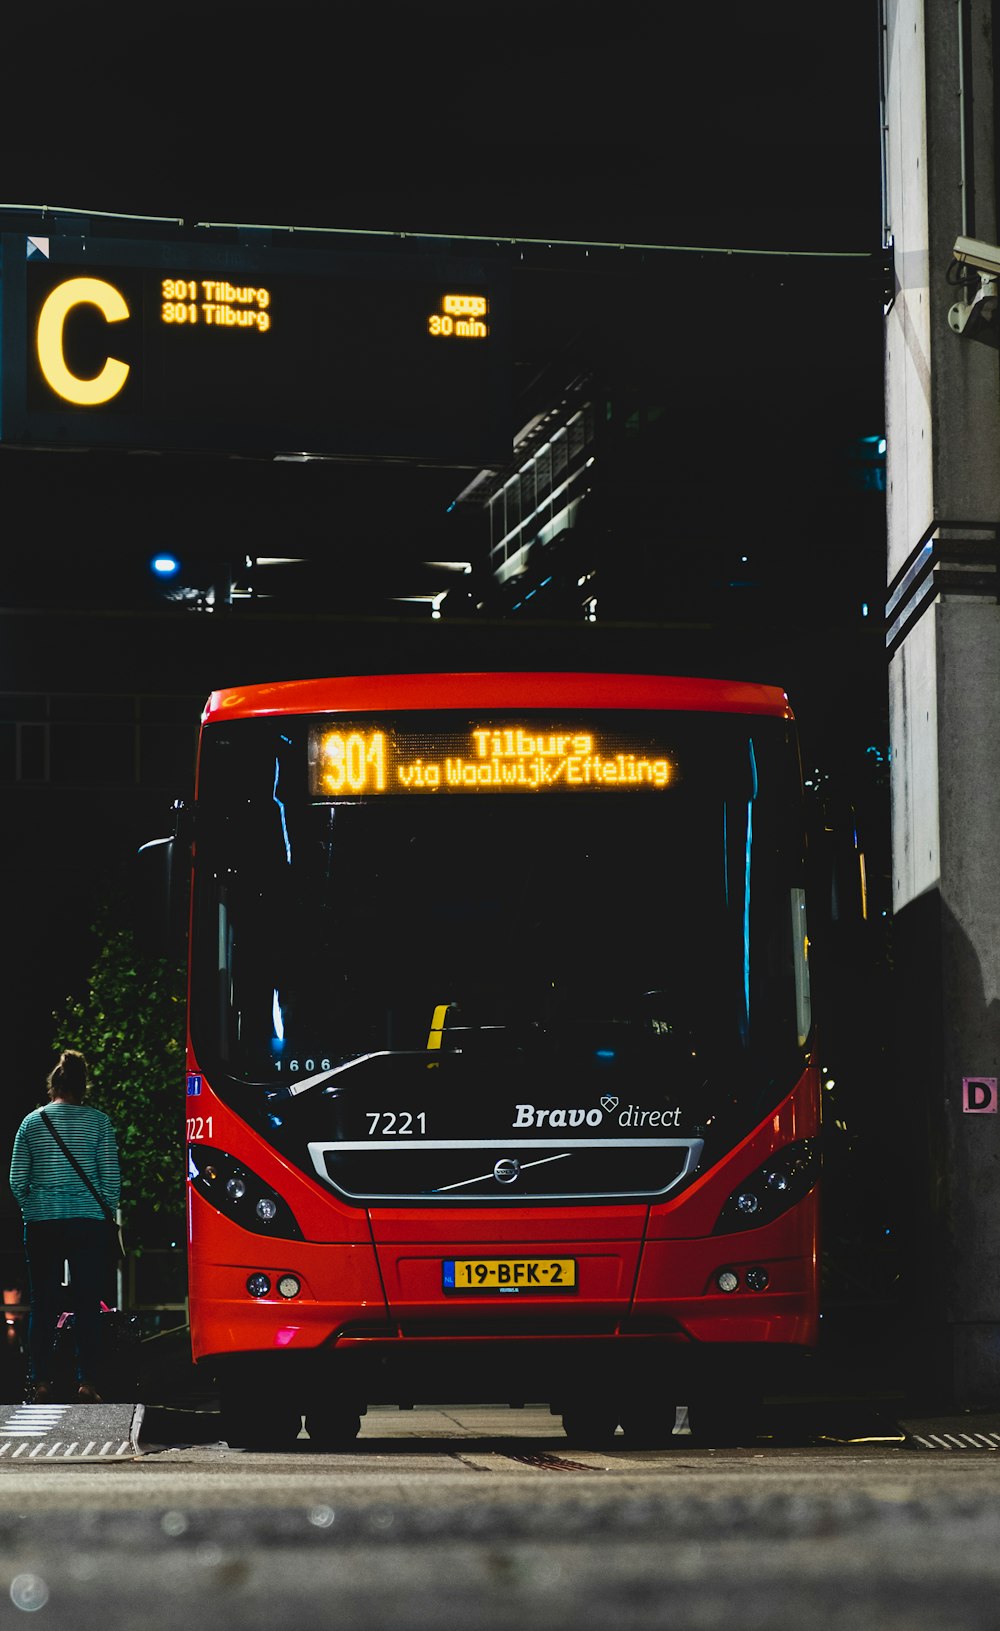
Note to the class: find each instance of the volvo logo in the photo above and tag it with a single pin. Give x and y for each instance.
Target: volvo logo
(507, 1171)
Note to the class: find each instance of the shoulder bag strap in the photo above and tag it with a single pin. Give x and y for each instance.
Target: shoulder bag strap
(102, 1203)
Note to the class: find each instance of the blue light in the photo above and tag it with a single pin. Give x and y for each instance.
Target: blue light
(284, 829)
(165, 566)
(745, 1026)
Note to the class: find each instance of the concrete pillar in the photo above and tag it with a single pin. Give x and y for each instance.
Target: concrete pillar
(943, 466)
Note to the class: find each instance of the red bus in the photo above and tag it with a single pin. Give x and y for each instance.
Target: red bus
(501, 1083)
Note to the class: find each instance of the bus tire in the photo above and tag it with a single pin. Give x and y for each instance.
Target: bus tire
(260, 1426)
(723, 1421)
(332, 1426)
(590, 1427)
(650, 1427)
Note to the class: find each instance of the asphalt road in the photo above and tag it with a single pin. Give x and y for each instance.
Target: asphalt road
(484, 1519)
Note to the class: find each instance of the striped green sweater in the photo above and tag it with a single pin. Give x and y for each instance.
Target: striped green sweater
(44, 1183)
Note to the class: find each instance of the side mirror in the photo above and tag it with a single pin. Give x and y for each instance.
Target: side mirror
(848, 885)
(837, 883)
(160, 897)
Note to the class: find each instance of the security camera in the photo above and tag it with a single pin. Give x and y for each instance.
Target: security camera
(973, 252)
(978, 318)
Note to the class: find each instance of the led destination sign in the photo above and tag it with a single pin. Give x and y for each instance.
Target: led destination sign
(206, 300)
(357, 760)
(216, 348)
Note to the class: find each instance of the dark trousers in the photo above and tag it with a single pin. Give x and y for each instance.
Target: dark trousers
(83, 1244)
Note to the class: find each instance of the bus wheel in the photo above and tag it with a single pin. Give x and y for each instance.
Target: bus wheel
(259, 1426)
(590, 1427)
(649, 1427)
(723, 1420)
(332, 1426)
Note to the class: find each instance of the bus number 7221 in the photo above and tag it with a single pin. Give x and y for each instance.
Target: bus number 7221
(396, 1123)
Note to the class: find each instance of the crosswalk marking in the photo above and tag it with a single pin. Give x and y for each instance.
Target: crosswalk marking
(957, 1441)
(108, 1448)
(33, 1420)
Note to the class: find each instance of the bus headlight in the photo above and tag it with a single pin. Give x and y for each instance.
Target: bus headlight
(237, 1192)
(778, 1183)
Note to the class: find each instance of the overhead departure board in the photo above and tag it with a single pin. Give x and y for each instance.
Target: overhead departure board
(209, 347)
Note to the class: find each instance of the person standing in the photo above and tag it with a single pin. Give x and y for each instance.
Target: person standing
(64, 1222)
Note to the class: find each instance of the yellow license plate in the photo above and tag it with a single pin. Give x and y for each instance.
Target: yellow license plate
(507, 1274)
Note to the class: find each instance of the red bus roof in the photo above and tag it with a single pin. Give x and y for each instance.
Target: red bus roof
(393, 692)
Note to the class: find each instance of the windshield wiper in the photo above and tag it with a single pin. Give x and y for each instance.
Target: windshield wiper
(308, 1082)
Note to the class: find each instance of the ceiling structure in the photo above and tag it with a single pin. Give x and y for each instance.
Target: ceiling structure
(564, 141)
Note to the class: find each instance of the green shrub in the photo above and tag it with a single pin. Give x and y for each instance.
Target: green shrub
(129, 1023)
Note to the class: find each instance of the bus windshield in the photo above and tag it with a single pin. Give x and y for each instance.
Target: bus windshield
(627, 936)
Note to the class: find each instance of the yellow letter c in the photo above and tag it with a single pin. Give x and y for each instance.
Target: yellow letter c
(111, 304)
